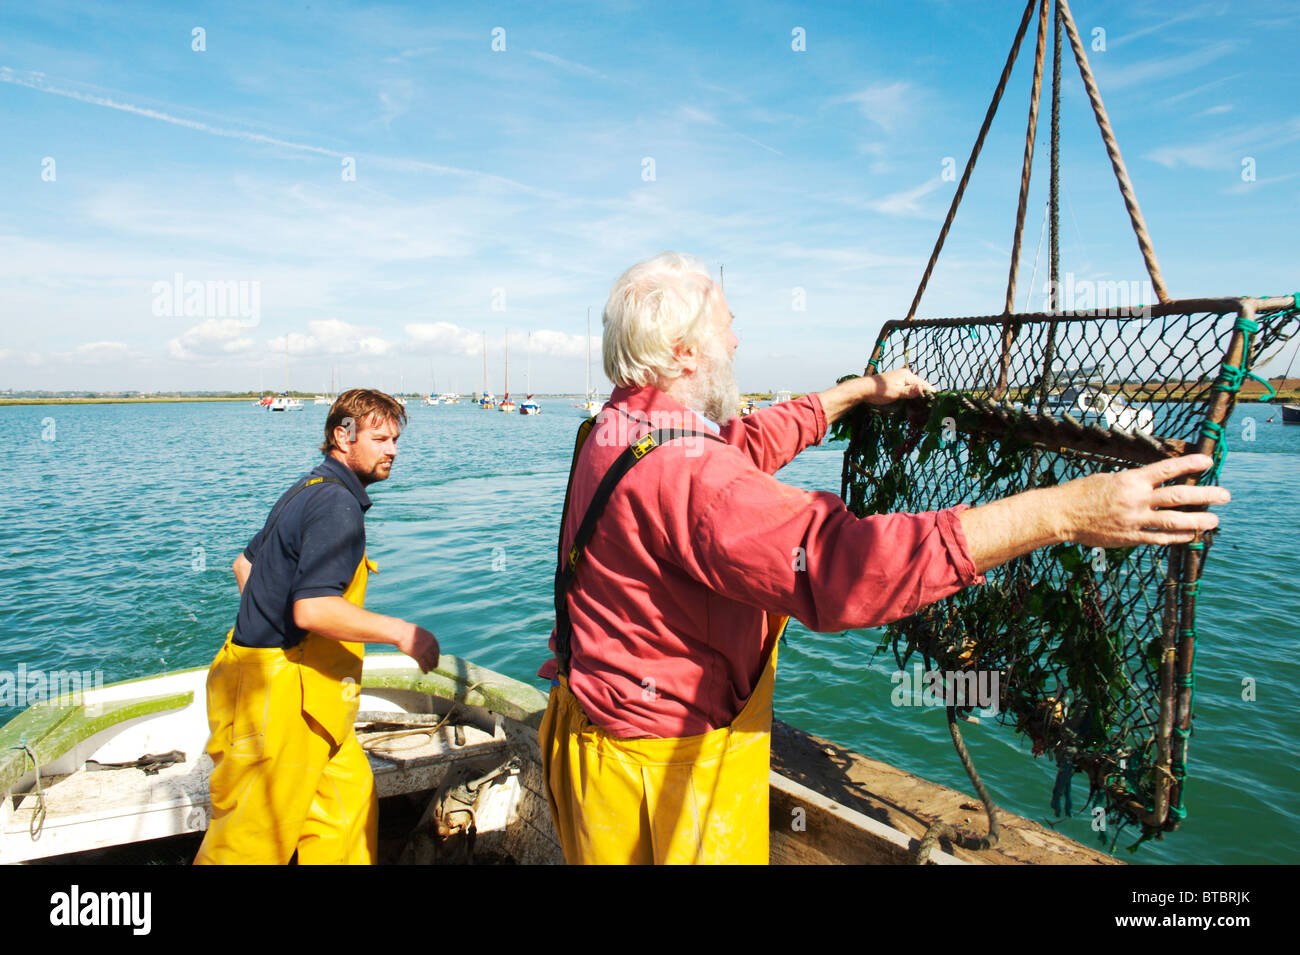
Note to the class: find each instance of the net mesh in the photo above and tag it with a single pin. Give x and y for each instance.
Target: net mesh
(1093, 650)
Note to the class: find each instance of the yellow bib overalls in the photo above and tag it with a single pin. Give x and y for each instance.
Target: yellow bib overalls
(288, 773)
(694, 799)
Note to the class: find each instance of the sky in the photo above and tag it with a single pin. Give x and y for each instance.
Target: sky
(242, 195)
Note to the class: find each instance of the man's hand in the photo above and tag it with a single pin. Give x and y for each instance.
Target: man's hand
(873, 390)
(894, 385)
(421, 646)
(1126, 508)
(1120, 509)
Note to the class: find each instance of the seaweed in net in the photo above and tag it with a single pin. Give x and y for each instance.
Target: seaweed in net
(1094, 649)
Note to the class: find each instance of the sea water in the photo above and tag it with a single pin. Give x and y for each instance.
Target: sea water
(121, 522)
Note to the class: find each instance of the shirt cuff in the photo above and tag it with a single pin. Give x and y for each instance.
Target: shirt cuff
(954, 540)
(822, 426)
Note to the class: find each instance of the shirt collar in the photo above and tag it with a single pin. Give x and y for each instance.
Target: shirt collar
(353, 483)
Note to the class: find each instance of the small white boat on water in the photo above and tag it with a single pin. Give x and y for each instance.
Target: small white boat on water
(116, 767)
(529, 406)
(506, 404)
(284, 403)
(590, 405)
(1094, 405)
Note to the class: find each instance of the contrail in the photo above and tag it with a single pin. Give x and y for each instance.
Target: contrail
(35, 81)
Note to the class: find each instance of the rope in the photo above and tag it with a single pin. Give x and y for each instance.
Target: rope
(428, 728)
(975, 152)
(942, 829)
(1116, 161)
(1010, 331)
(1031, 131)
(38, 815)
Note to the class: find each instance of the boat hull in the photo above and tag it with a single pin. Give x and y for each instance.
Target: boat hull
(460, 738)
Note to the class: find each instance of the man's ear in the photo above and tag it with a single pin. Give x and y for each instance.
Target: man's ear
(349, 426)
(688, 358)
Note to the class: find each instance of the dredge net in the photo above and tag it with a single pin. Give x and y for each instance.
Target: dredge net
(1094, 650)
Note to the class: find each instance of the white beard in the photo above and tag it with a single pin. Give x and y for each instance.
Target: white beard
(720, 398)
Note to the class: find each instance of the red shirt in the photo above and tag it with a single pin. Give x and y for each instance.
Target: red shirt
(698, 540)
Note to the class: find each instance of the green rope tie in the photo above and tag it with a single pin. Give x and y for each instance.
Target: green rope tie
(1220, 438)
(1197, 545)
(1231, 379)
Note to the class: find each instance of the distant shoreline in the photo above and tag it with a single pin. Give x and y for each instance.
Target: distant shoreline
(1245, 396)
(250, 398)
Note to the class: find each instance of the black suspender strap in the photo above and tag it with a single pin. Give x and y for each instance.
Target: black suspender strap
(568, 563)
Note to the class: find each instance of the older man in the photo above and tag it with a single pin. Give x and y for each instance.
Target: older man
(288, 773)
(673, 586)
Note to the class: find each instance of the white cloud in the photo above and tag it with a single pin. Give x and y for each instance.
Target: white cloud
(1152, 70)
(568, 66)
(99, 353)
(212, 338)
(1227, 149)
(443, 337)
(906, 203)
(332, 336)
(451, 339)
(885, 104)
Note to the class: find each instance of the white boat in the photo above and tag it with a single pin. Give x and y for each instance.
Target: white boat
(284, 403)
(331, 396)
(488, 400)
(506, 404)
(1092, 404)
(124, 765)
(590, 405)
(528, 406)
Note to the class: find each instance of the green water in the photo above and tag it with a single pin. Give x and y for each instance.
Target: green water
(122, 521)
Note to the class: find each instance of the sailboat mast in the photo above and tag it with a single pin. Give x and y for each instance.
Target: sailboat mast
(587, 396)
(507, 393)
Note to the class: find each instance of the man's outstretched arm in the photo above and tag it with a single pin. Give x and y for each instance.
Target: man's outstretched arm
(1119, 509)
(878, 389)
(339, 619)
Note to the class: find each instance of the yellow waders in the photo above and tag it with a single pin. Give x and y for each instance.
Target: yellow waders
(288, 772)
(698, 799)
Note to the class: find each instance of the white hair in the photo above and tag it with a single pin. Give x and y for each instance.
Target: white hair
(654, 306)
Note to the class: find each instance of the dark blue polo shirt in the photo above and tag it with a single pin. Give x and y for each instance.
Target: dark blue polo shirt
(310, 546)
